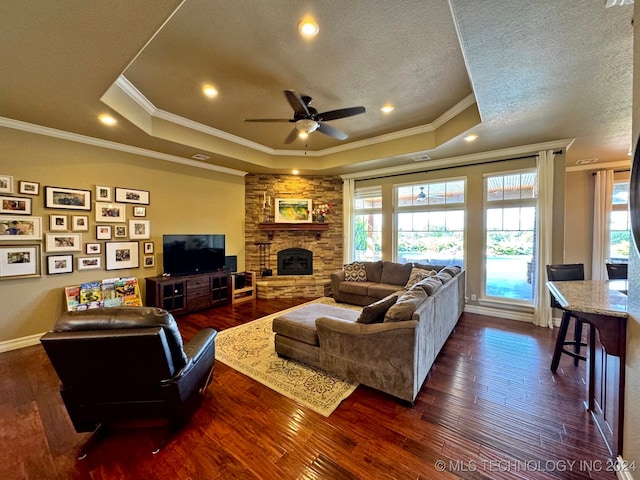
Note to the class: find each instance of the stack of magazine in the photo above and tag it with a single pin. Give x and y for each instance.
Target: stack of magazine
(110, 292)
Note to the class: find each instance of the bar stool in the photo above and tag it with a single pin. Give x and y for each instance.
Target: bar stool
(563, 273)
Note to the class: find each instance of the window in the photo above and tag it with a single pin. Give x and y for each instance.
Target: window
(619, 223)
(367, 228)
(430, 219)
(510, 224)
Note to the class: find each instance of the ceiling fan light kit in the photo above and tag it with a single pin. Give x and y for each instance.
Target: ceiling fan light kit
(307, 119)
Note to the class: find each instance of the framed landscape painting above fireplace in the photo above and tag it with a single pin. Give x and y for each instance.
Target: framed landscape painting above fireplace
(293, 210)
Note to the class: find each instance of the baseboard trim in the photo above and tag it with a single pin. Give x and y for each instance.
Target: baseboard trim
(622, 469)
(22, 342)
(500, 313)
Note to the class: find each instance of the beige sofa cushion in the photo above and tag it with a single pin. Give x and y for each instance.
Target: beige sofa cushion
(404, 307)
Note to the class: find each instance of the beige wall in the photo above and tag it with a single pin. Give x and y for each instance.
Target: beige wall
(183, 199)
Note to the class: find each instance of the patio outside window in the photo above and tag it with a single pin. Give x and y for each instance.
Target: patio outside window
(367, 229)
(510, 222)
(619, 226)
(430, 220)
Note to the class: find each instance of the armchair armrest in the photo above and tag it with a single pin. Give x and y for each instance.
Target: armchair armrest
(200, 349)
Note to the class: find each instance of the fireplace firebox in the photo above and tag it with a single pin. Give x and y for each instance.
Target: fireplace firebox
(295, 261)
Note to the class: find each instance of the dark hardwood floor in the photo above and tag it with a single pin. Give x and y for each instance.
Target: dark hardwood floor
(490, 409)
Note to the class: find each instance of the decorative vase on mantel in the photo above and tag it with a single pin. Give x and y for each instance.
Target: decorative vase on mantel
(320, 218)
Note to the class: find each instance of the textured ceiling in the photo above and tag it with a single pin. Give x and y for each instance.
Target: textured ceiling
(515, 73)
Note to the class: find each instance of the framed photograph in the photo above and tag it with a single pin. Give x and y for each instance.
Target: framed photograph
(59, 264)
(15, 205)
(68, 198)
(19, 261)
(93, 248)
(139, 229)
(129, 195)
(80, 223)
(103, 232)
(139, 211)
(149, 261)
(20, 228)
(293, 210)
(110, 212)
(119, 231)
(103, 194)
(6, 184)
(29, 188)
(148, 247)
(58, 223)
(64, 242)
(89, 263)
(119, 255)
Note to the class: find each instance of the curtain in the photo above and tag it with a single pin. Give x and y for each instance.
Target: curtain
(543, 313)
(348, 194)
(601, 213)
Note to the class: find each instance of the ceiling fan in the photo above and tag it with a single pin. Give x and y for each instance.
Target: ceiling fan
(308, 120)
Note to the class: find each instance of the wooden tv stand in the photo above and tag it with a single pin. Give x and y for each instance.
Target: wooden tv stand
(189, 293)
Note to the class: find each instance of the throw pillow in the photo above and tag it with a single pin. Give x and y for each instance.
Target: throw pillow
(355, 272)
(452, 269)
(444, 276)
(405, 306)
(418, 274)
(395, 273)
(375, 312)
(430, 285)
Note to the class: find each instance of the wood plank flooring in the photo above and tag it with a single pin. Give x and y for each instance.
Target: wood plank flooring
(490, 409)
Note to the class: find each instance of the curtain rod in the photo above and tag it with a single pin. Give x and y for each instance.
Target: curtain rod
(615, 171)
(453, 166)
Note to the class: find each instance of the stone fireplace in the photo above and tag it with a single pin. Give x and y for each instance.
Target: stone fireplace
(301, 257)
(295, 261)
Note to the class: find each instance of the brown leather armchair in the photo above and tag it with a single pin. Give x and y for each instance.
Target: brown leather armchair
(126, 364)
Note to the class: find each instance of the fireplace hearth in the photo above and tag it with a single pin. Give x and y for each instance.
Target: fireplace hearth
(295, 261)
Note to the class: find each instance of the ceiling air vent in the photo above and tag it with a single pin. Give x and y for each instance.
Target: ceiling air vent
(586, 161)
(200, 156)
(421, 158)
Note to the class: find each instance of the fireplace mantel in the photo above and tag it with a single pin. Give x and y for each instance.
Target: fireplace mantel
(316, 227)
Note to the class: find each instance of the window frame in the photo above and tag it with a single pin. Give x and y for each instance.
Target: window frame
(397, 209)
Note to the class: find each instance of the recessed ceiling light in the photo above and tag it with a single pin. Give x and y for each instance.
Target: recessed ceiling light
(387, 109)
(209, 91)
(308, 27)
(295, 171)
(470, 138)
(107, 119)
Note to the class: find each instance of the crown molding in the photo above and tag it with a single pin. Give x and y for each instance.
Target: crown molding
(462, 160)
(132, 92)
(97, 142)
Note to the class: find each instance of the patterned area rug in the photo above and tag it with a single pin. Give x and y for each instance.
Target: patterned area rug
(249, 349)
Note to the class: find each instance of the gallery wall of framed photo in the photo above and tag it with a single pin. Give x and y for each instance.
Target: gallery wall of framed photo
(105, 228)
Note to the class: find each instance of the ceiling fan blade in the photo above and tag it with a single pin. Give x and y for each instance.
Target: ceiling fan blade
(340, 113)
(292, 136)
(331, 131)
(296, 102)
(267, 120)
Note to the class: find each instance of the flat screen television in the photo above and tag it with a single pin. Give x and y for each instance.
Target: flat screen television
(192, 254)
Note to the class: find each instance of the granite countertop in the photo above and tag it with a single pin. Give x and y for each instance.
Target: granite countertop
(590, 296)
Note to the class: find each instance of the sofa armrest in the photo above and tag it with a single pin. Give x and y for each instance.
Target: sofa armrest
(336, 278)
(348, 327)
